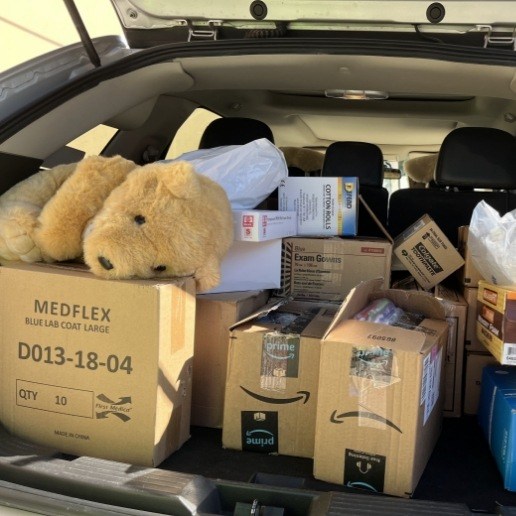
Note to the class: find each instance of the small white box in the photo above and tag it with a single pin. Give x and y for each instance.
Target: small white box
(261, 225)
(325, 206)
(250, 266)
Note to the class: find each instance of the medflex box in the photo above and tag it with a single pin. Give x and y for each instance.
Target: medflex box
(325, 206)
(328, 268)
(259, 225)
(497, 418)
(96, 367)
(215, 314)
(496, 320)
(272, 378)
(381, 394)
(426, 253)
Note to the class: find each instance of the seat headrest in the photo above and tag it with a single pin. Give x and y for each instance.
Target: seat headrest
(357, 159)
(477, 157)
(234, 131)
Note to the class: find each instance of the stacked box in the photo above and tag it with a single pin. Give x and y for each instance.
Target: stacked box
(381, 396)
(216, 313)
(96, 367)
(328, 268)
(496, 320)
(456, 309)
(497, 418)
(325, 206)
(475, 363)
(272, 378)
(426, 253)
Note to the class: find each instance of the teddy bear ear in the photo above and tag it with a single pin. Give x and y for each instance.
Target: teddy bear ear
(181, 179)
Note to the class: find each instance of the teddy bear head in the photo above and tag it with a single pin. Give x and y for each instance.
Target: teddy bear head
(164, 220)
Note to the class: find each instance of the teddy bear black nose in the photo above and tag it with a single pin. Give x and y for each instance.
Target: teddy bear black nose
(160, 268)
(105, 263)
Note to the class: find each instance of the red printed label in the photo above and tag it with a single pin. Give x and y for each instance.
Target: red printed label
(248, 221)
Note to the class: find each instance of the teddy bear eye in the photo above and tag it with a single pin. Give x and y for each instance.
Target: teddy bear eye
(139, 219)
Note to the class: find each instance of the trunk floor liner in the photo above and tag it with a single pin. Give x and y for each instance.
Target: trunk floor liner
(461, 468)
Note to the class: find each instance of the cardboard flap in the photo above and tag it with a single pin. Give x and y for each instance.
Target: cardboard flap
(392, 337)
(272, 305)
(355, 300)
(375, 219)
(414, 301)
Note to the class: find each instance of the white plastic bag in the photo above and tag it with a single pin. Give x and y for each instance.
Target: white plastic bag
(492, 242)
(249, 173)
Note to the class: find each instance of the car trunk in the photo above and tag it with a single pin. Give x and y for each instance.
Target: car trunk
(203, 477)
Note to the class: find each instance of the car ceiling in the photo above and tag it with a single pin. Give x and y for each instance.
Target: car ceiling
(287, 92)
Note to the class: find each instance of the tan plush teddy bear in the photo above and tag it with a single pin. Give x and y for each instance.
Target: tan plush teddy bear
(24, 207)
(126, 221)
(165, 219)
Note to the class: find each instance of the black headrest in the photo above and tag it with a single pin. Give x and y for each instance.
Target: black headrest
(480, 157)
(234, 131)
(356, 159)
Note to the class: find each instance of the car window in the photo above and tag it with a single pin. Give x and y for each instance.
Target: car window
(28, 36)
(189, 134)
(94, 140)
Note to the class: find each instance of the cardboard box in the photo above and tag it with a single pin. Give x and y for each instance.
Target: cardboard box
(472, 343)
(328, 268)
(260, 225)
(456, 310)
(216, 313)
(325, 206)
(456, 315)
(272, 378)
(426, 252)
(496, 320)
(497, 418)
(96, 367)
(381, 395)
(475, 363)
(250, 266)
(468, 274)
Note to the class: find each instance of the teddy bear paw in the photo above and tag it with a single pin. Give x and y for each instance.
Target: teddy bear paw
(16, 244)
(207, 277)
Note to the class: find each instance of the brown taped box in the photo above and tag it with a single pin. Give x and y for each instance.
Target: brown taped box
(272, 378)
(472, 343)
(456, 309)
(216, 313)
(381, 396)
(328, 268)
(96, 367)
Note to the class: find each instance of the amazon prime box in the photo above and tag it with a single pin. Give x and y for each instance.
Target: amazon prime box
(272, 377)
(380, 399)
(96, 367)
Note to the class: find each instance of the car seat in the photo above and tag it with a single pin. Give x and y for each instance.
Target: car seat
(470, 159)
(365, 161)
(234, 131)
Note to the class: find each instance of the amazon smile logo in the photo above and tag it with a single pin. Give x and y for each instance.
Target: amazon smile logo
(340, 418)
(304, 396)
